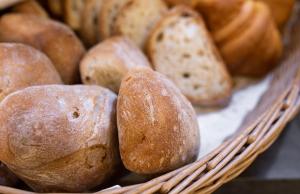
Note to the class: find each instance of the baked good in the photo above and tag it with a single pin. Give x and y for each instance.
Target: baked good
(89, 29)
(137, 18)
(60, 138)
(191, 3)
(72, 12)
(30, 7)
(107, 16)
(281, 10)
(22, 66)
(245, 33)
(181, 48)
(55, 39)
(157, 125)
(109, 61)
(56, 7)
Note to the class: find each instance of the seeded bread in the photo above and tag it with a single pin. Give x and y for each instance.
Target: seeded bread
(181, 48)
(157, 125)
(89, 29)
(30, 7)
(108, 62)
(108, 15)
(55, 39)
(72, 12)
(137, 18)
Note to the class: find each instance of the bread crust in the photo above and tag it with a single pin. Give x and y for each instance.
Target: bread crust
(73, 12)
(220, 98)
(55, 39)
(30, 7)
(157, 126)
(108, 62)
(60, 138)
(22, 66)
(242, 40)
(138, 27)
(108, 15)
(56, 7)
(89, 29)
(281, 10)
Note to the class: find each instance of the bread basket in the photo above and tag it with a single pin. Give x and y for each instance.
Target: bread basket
(279, 104)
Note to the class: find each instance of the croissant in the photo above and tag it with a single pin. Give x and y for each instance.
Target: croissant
(281, 10)
(245, 33)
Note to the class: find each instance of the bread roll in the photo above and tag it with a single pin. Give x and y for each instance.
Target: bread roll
(181, 48)
(30, 7)
(107, 16)
(245, 33)
(89, 29)
(281, 10)
(137, 18)
(158, 129)
(22, 66)
(55, 39)
(107, 63)
(60, 138)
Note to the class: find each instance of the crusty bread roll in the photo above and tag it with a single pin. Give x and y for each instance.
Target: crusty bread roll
(89, 29)
(55, 39)
(30, 7)
(245, 33)
(181, 48)
(108, 62)
(60, 138)
(158, 129)
(22, 66)
(281, 10)
(107, 16)
(73, 12)
(137, 18)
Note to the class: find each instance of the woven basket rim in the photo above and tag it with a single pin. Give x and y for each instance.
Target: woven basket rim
(233, 156)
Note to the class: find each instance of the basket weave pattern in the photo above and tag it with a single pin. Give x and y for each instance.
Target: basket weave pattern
(261, 128)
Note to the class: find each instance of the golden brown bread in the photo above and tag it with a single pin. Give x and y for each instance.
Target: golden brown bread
(281, 10)
(191, 3)
(89, 29)
(55, 39)
(245, 33)
(108, 62)
(60, 138)
(22, 66)
(30, 7)
(181, 48)
(56, 7)
(158, 129)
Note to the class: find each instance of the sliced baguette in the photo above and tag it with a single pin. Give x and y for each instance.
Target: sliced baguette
(108, 15)
(89, 21)
(137, 18)
(181, 48)
(73, 11)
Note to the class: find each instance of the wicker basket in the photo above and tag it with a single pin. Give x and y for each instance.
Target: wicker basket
(261, 128)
